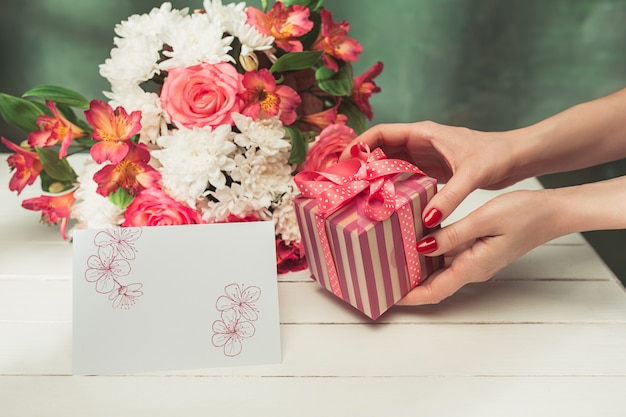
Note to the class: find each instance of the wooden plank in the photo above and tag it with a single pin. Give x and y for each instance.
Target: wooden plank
(558, 262)
(314, 397)
(45, 259)
(25, 299)
(398, 350)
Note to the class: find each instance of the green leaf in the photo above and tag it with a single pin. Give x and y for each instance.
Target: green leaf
(121, 198)
(335, 83)
(299, 145)
(314, 5)
(19, 112)
(356, 118)
(58, 169)
(60, 95)
(293, 61)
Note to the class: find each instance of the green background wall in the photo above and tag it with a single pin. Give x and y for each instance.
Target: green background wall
(485, 64)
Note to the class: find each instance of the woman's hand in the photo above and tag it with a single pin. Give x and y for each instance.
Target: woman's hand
(464, 159)
(487, 240)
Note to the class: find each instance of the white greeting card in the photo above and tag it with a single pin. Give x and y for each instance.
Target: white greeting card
(174, 298)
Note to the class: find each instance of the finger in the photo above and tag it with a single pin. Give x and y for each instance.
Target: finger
(447, 199)
(439, 286)
(382, 135)
(474, 264)
(460, 235)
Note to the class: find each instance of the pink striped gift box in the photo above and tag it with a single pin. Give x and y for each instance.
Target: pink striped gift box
(369, 256)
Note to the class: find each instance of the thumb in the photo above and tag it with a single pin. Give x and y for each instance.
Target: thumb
(447, 199)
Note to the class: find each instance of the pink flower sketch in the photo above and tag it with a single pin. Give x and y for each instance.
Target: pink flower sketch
(104, 269)
(240, 299)
(121, 239)
(125, 296)
(115, 248)
(238, 311)
(230, 331)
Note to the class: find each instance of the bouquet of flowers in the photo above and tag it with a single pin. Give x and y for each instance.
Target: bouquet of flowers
(210, 114)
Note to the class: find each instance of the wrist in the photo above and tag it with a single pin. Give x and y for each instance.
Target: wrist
(594, 206)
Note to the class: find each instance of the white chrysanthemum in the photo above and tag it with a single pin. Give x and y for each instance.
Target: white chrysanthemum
(267, 134)
(138, 45)
(263, 178)
(91, 210)
(232, 18)
(284, 216)
(252, 40)
(232, 200)
(194, 42)
(191, 159)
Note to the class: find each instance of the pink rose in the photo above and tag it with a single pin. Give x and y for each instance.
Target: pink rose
(327, 150)
(202, 95)
(153, 207)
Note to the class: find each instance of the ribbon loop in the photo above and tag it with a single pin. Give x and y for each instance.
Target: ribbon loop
(344, 181)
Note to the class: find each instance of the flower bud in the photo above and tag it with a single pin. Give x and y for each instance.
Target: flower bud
(56, 187)
(249, 62)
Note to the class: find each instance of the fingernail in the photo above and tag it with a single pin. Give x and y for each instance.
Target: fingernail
(427, 245)
(432, 218)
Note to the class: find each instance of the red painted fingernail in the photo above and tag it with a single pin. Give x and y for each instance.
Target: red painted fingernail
(427, 245)
(432, 218)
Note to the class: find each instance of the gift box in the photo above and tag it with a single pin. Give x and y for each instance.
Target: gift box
(360, 222)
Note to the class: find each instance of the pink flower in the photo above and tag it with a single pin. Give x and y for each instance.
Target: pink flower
(54, 209)
(263, 97)
(112, 131)
(237, 219)
(241, 300)
(334, 42)
(289, 257)
(285, 25)
(153, 207)
(54, 129)
(229, 332)
(363, 88)
(202, 95)
(105, 268)
(120, 239)
(327, 150)
(133, 173)
(26, 164)
(125, 296)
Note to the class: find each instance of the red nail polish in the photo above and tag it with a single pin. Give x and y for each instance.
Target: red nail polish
(432, 218)
(427, 245)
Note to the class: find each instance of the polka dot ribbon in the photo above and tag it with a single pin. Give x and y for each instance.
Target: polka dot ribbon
(341, 183)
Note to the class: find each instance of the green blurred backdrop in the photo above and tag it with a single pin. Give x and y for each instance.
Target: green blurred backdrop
(485, 64)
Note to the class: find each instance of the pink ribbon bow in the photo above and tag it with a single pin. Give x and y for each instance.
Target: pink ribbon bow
(343, 181)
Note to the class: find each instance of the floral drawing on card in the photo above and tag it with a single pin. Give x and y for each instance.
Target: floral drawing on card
(237, 312)
(109, 268)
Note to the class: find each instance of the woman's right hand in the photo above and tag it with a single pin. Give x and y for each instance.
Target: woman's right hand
(463, 159)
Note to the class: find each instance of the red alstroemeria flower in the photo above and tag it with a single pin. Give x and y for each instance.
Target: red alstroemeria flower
(285, 25)
(54, 129)
(289, 257)
(133, 173)
(54, 209)
(334, 42)
(112, 129)
(318, 121)
(364, 87)
(26, 164)
(263, 97)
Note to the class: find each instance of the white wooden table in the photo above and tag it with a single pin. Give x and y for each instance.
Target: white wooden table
(545, 337)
